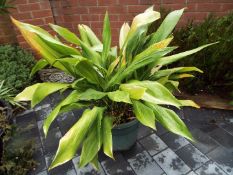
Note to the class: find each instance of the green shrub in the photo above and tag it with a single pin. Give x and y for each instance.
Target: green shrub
(216, 61)
(15, 67)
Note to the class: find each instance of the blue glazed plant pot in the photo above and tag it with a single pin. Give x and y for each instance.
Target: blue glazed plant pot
(125, 135)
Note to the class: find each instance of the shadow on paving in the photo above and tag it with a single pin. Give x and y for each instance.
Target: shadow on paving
(156, 152)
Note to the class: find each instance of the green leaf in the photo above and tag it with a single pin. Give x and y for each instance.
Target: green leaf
(69, 64)
(107, 136)
(83, 35)
(144, 18)
(95, 162)
(189, 103)
(38, 44)
(91, 94)
(93, 39)
(71, 141)
(166, 27)
(71, 98)
(42, 63)
(157, 93)
(168, 72)
(122, 73)
(135, 92)
(44, 89)
(171, 121)
(66, 34)
(123, 34)
(27, 93)
(86, 69)
(119, 96)
(93, 142)
(170, 59)
(144, 114)
(72, 106)
(106, 39)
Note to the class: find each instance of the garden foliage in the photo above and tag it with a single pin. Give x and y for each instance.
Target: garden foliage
(216, 61)
(15, 67)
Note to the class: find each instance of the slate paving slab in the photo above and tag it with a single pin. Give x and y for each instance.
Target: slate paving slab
(192, 156)
(169, 161)
(141, 162)
(224, 159)
(210, 168)
(156, 152)
(203, 142)
(153, 144)
(174, 141)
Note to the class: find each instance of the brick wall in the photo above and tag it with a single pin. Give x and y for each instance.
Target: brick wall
(7, 34)
(69, 13)
(36, 12)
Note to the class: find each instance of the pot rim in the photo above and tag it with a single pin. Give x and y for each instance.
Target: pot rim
(126, 125)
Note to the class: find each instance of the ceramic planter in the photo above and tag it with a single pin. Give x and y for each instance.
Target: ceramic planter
(125, 135)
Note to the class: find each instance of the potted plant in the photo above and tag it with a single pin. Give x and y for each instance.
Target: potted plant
(117, 87)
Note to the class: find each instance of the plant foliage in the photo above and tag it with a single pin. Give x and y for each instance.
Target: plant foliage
(5, 5)
(132, 78)
(216, 61)
(15, 67)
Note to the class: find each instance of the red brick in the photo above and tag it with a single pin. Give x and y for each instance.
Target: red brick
(48, 20)
(87, 2)
(117, 9)
(23, 16)
(20, 2)
(96, 24)
(36, 21)
(41, 13)
(173, 6)
(107, 2)
(128, 2)
(90, 17)
(174, 1)
(97, 10)
(137, 8)
(227, 7)
(149, 2)
(194, 16)
(45, 5)
(210, 7)
(28, 7)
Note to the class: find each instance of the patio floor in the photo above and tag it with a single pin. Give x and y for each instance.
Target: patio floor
(155, 153)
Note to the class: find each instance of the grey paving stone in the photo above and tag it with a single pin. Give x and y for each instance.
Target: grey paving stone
(143, 131)
(66, 121)
(223, 138)
(160, 129)
(43, 112)
(174, 141)
(64, 169)
(191, 173)
(229, 129)
(210, 168)
(203, 141)
(50, 143)
(42, 173)
(87, 170)
(153, 144)
(119, 166)
(192, 156)
(141, 162)
(223, 158)
(171, 163)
